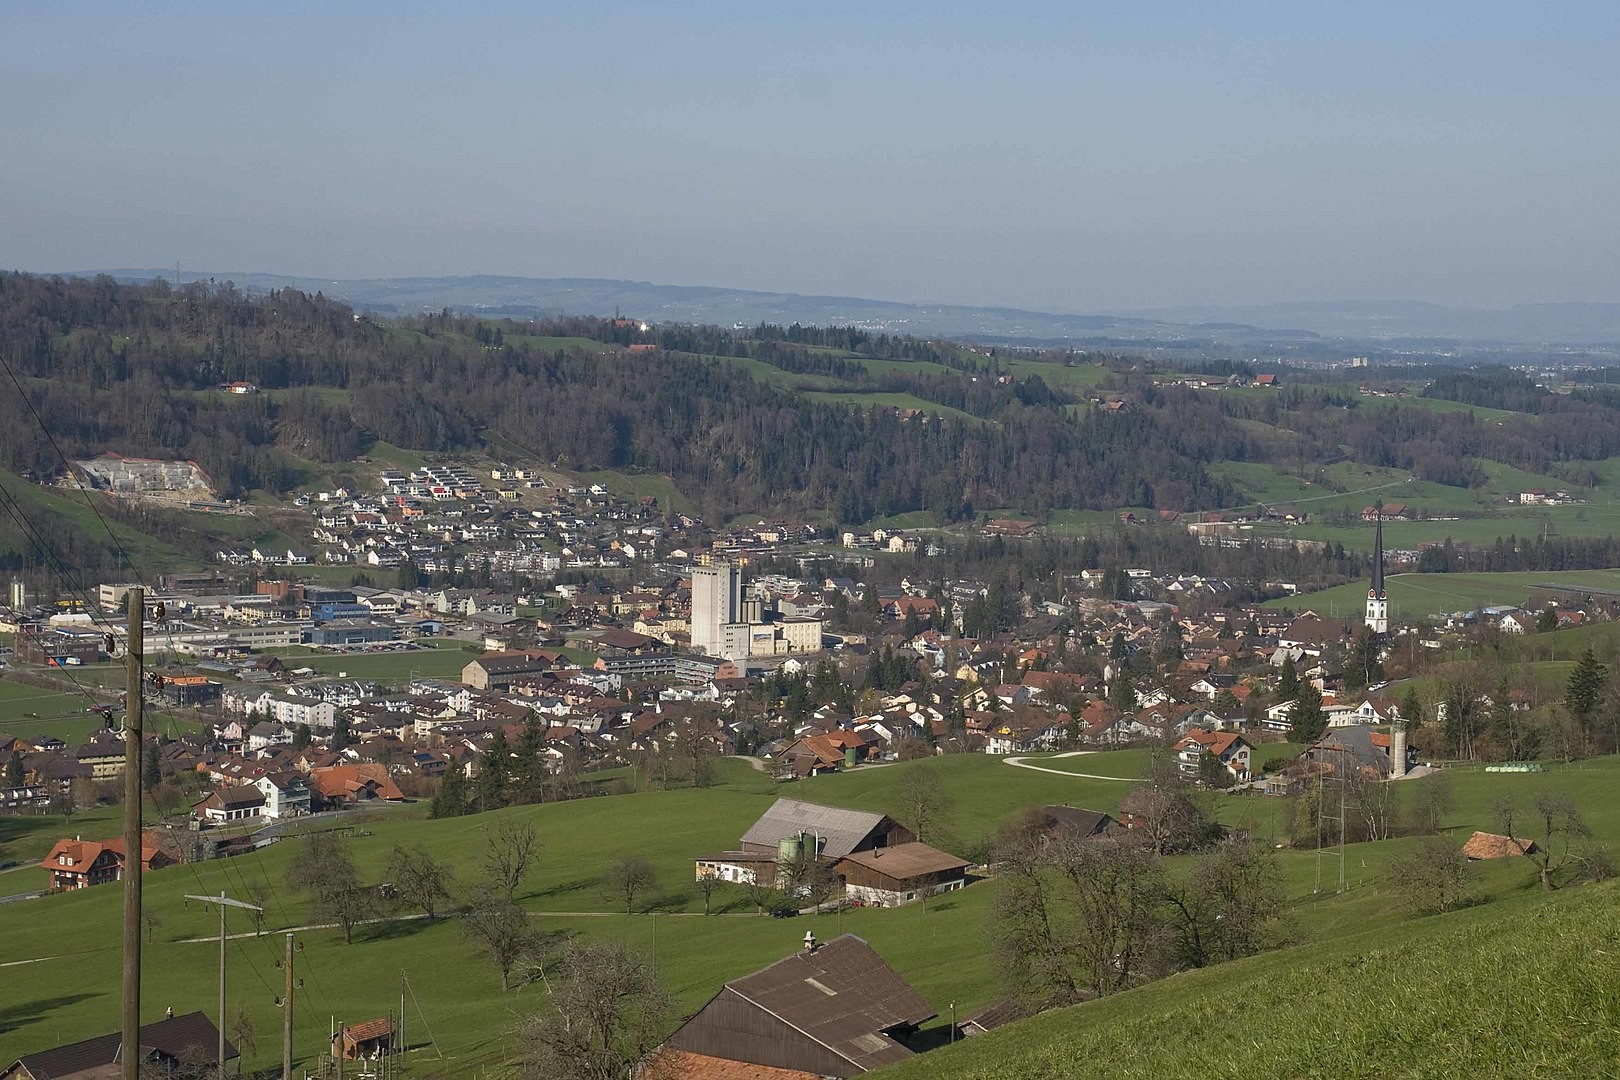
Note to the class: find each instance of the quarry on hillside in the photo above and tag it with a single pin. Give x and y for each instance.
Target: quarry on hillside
(178, 482)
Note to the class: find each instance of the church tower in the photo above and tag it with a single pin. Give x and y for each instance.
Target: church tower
(1377, 598)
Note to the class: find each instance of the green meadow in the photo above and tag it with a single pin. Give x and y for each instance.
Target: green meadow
(64, 956)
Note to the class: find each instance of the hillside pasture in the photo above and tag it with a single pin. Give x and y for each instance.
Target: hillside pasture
(65, 951)
(1425, 595)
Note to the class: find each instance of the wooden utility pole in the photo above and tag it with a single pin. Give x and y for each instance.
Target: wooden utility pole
(287, 1014)
(400, 1035)
(134, 747)
(224, 902)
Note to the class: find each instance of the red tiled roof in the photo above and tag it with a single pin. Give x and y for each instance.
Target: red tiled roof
(369, 1029)
(672, 1064)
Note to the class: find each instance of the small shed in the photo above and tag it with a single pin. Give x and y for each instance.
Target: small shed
(368, 1039)
(1484, 845)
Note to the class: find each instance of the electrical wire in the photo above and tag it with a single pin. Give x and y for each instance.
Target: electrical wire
(67, 466)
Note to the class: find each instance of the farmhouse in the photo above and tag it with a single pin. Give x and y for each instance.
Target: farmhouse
(78, 864)
(183, 1042)
(889, 877)
(831, 1010)
(789, 829)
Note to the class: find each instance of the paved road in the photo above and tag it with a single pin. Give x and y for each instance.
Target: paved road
(1023, 763)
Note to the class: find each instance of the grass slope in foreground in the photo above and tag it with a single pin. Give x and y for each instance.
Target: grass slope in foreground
(1521, 988)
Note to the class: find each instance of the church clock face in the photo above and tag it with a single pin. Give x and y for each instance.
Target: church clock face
(1372, 594)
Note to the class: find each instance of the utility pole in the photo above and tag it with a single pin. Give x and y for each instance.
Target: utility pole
(287, 1007)
(224, 902)
(133, 749)
(400, 1039)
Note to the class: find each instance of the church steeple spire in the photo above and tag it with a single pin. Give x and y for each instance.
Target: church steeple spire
(1377, 598)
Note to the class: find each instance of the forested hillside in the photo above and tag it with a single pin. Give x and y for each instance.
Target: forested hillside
(133, 369)
(771, 419)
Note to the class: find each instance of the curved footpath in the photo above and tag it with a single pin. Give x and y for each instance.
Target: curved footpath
(1023, 763)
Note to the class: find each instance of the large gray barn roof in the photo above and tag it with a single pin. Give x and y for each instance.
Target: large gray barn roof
(842, 830)
(844, 996)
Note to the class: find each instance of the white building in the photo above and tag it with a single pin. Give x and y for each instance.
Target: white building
(717, 605)
(285, 794)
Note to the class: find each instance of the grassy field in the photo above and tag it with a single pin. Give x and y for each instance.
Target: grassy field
(1418, 595)
(71, 989)
(876, 366)
(876, 400)
(1076, 379)
(635, 485)
(1438, 405)
(460, 992)
(537, 341)
(1523, 988)
(1081, 522)
(397, 457)
(444, 660)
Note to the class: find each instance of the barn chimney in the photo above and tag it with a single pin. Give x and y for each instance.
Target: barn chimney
(809, 941)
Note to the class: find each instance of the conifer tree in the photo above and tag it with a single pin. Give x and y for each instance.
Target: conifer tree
(451, 798)
(1307, 717)
(494, 773)
(1288, 684)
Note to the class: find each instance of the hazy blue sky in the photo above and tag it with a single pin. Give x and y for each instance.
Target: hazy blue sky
(1068, 156)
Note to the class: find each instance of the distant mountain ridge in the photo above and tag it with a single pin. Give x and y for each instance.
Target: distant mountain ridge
(1282, 324)
(1572, 323)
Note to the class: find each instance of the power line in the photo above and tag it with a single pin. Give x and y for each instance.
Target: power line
(14, 510)
(67, 467)
(276, 896)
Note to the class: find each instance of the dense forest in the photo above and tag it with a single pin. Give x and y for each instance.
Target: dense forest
(134, 369)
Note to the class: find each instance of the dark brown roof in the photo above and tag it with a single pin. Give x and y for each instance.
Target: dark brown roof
(844, 996)
(192, 1036)
(903, 861)
(991, 1017)
(1083, 822)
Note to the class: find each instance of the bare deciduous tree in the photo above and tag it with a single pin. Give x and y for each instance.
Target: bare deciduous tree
(324, 868)
(1221, 908)
(258, 896)
(1430, 801)
(242, 1032)
(707, 886)
(502, 928)
(1432, 877)
(1563, 839)
(1077, 916)
(759, 894)
(923, 800)
(629, 878)
(511, 848)
(420, 880)
(610, 1014)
